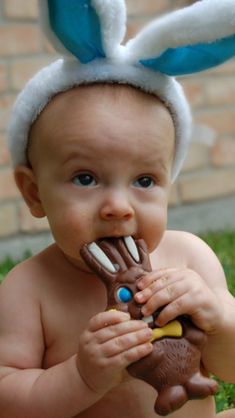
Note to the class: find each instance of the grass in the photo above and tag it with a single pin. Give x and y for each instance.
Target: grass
(8, 264)
(223, 244)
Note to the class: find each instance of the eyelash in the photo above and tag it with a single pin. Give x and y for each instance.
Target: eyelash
(88, 180)
(144, 178)
(84, 180)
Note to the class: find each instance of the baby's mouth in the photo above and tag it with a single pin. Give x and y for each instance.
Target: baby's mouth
(129, 243)
(96, 250)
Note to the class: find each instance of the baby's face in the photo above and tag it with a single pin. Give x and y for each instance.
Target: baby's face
(102, 159)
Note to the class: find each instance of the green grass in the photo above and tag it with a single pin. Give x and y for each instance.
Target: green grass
(223, 245)
(8, 264)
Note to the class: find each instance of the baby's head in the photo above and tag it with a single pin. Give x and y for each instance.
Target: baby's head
(99, 164)
(102, 114)
(64, 75)
(84, 99)
(90, 36)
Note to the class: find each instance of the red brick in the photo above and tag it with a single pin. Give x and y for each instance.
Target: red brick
(48, 47)
(8, 187)
(207, 185)
(177, 4)
(23, 69)
(198, 157)
(20, 9)
(8, 220)
(6, 102)
(19, 39)
(221, 120)
(4, 155)
(146, 7)
(194, 90)
(30, 224)
(3, 77)
(220, 91)
(223, 152)
(134, 26)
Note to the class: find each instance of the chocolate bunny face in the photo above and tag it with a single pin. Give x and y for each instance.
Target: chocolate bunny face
(119, 263)
(174, 366)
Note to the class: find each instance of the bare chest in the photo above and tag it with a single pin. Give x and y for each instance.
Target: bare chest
(65, 315)
(133, 398)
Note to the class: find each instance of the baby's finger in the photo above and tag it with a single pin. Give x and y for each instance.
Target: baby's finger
(165, 296)
(123, 343)
(105, 319)
(177, 307)
(154, 276)
(134, 354)
(117, 330)
(156, 286)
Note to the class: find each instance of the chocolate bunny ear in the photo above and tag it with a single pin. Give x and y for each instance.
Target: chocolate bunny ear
(189, 40)
(110, 257)
(86, 29)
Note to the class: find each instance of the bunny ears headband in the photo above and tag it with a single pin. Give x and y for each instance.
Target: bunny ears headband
(89, 33)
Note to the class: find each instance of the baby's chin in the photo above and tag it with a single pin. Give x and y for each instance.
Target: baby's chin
(76, 261)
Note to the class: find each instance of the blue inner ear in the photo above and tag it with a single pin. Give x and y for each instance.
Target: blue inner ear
(77, 25)
(193, 58)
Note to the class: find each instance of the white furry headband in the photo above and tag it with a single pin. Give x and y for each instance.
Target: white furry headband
(88, 33)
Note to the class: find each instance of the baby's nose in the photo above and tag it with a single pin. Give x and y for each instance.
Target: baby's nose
(117, 206)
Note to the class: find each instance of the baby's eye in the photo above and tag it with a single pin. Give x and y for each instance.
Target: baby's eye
(84, 180)
(124, 294)
(145, 182)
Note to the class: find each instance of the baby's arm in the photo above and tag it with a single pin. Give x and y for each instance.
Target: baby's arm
(27, 390)
(199, 289)
(219, 353)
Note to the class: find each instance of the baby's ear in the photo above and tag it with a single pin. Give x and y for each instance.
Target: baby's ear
(27, 184)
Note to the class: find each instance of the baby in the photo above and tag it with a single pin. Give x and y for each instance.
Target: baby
(97, 159)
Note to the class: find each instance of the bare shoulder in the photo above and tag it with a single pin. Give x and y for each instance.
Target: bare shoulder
(185, 250)
(21, 336)
(25, 276)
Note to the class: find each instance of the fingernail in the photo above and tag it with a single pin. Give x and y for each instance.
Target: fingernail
(149, 332)
(149, 346)
(139, 296)
(144, 311)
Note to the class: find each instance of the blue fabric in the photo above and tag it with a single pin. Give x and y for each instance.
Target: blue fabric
(193, 58)
(77, 25)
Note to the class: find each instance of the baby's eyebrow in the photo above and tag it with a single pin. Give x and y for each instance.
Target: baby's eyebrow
(71, 156)
(75, 156)
(154, 163)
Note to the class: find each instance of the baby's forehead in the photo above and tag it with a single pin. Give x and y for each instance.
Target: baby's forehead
(113, 92)
(98, 111)
(99, 104)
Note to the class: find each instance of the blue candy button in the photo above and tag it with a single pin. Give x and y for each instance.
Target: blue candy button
(124, 294)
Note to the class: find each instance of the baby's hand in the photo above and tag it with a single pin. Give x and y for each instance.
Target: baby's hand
(110, 343)
(180, 291)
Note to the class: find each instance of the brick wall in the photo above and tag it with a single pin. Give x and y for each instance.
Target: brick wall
(209, 172)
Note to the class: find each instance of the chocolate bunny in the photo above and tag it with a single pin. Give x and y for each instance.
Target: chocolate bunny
(174, 366)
